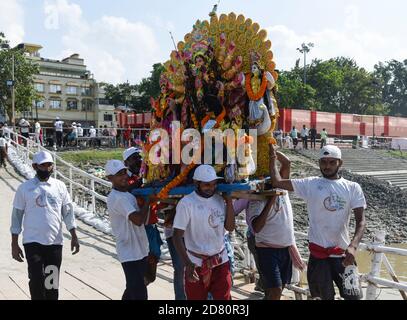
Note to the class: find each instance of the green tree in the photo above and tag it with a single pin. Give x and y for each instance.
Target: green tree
(342, 86)
(293, 94)
(391, 77)
(149, 87)
(137, 96)
(24, 72)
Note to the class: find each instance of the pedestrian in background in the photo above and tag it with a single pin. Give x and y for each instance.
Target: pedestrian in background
(304, 137)
(324, 138)
(313, 135)
(59, 128)
(294, 136)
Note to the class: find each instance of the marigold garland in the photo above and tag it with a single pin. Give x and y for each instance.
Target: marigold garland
(163, 194)
(249, 89)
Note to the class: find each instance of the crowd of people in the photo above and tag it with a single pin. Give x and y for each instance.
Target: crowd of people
(292, 139)
(197, 230)
(65, 134)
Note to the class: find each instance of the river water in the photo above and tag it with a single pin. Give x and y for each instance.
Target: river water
(399, 263)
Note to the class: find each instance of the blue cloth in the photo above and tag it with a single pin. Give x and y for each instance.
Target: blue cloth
(154, 240)
(179, 289)
(275, 266)
(231, 254)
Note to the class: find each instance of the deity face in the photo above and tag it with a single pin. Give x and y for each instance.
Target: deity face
(163, 89)
(199, 62)
(255, 69)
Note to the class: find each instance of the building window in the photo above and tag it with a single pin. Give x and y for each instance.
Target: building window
(71, 90)
(39, 104)
(55, 88)
(87, 106)
(72, 105)
(86, 91)
(108, 117)
(55, 104)
(39, 87)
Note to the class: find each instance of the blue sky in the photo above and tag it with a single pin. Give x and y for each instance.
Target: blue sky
(121, 39)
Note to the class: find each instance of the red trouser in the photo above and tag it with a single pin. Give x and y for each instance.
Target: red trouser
(220, 285)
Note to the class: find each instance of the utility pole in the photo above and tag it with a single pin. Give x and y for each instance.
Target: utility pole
(305, 48)
(13, 118)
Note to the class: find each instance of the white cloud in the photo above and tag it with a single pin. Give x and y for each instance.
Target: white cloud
(114, 48)
(366, 47)
(12, 21)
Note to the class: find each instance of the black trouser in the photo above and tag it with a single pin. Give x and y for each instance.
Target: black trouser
(59, 138)
(323, 273)
(313, 142)
(44, 263)
(135, 287)
(26, 135)
(3, 156)
(305, 142)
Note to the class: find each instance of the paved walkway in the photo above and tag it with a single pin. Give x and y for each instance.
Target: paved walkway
(93, 274)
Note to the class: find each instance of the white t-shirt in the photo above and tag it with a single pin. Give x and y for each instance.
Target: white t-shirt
(92, 133)
(330, 204)
(279, 227)
(3, 142)
(203, 221)
(131, 240)
(304, 133)
(59, 125)
(42, 204)
(37, 128)
(80, 131)
(25, 126)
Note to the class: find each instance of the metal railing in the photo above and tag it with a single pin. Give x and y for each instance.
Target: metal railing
(245, 260)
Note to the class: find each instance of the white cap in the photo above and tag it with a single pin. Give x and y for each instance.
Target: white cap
(129, 152)
(79, 125)
(74, 123)
(42, 157)
(57, 118)
(91, 127)
(205, 173)
(113, 167)
(330, 152)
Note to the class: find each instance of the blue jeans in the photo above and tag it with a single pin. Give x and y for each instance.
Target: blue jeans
(178, 271)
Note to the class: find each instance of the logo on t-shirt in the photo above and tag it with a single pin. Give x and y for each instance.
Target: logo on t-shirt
(334, 203)
(216, 217)
(44, 199)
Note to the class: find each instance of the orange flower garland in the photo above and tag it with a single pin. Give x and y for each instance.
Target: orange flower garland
(249, 89)
(163, 194)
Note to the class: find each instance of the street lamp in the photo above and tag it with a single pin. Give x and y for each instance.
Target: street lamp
(11, 83)
(305, 48)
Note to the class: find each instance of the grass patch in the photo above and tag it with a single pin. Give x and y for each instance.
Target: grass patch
(92, 156)
(398, 154)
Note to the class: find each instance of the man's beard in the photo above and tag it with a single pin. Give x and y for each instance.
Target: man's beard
(135, 169)
(333, 175)
(205, 195)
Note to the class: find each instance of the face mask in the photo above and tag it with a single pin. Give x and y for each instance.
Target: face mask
(44, 175)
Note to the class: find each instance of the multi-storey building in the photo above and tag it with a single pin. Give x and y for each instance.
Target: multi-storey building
(68, 90)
